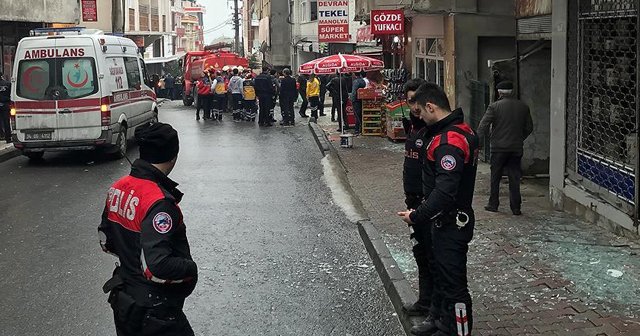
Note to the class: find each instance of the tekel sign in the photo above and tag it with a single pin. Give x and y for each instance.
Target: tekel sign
(333, 21)
(387, 22)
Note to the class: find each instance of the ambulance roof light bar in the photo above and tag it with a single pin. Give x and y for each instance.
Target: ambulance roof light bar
(65, 31)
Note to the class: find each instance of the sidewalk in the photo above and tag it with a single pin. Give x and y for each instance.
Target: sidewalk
(544, 273)
(7, 151)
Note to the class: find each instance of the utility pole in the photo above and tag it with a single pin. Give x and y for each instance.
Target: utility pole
(236, 25)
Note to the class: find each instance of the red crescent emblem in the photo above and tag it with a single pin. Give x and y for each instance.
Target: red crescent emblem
(78, 85)
(28, 79)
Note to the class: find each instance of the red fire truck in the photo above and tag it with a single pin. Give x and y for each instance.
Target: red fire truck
(195, 62)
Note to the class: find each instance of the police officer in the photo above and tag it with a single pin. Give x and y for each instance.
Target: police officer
(5, 99)
(415, 145)
(265, 91)
(449, 174)
(288, 95)
(143, 226)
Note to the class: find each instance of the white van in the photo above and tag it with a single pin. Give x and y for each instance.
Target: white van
(77, 89)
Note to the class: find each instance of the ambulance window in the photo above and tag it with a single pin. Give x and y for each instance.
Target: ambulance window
(78, 77)
(57, 78)
(145, 75)
(117, 78)
(34, 78)
(133, 72)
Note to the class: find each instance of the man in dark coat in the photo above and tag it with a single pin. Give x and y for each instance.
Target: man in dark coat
(288, 95)
(340, 106)
(511, 123)
(169, 84)
(265, 91)
(5, 100)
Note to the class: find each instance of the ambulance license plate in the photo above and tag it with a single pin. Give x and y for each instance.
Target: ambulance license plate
(38, 136)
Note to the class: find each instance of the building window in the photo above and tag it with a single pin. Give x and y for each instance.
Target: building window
(429, 63)
(314, 10)
(308, 10)
(304, 9)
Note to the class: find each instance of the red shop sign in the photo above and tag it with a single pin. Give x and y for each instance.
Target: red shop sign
(387, 22)
(89, 10)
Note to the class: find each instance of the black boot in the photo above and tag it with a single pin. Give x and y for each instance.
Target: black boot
(416, 309)
(428, 327)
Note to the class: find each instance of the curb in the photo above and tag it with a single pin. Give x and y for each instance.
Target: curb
(8, 153)
(321, 138)
(398, 289)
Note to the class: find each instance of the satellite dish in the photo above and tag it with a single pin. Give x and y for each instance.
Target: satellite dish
(264, 47)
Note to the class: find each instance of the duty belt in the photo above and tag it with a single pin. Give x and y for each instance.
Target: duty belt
(461, 219)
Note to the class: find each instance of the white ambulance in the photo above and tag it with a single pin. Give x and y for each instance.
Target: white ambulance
(78, 89)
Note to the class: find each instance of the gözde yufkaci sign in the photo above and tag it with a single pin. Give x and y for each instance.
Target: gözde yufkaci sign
(387, 22)
(333, 21)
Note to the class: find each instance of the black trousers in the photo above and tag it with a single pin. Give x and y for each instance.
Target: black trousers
(265, 106)
(286, 104)
(341, 116)
(423, 254)
(357, 110)
(450, 246)
(512, 161)
(204, 104)
(161, 317)
(323, 95)
(5, 122)
(219, 102)
(314, 102)
(237, 105)
(305, 104)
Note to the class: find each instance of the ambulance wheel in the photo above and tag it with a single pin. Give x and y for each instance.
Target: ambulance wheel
(120, 149)
(34, 156)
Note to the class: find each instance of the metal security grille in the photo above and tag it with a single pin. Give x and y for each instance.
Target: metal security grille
(607, 111)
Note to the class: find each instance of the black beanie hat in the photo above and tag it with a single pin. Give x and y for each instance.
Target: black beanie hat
(158, 142)
(505, 85)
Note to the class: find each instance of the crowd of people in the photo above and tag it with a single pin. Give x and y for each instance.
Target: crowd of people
(245, 95)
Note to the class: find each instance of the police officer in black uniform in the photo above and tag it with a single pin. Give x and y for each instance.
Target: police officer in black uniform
(449, 175)
(143, 226)
(5, 99)
(265, 91)
(415, 145)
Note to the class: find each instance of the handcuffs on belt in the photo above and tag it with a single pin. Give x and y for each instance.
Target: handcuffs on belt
(462, 219)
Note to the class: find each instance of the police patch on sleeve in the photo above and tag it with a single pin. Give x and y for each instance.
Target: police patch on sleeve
(448, 162)
(162, 222)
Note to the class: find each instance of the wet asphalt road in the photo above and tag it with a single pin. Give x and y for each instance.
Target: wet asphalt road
(276, 256)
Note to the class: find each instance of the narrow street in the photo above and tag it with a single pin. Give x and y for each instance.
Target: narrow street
(276, 256)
